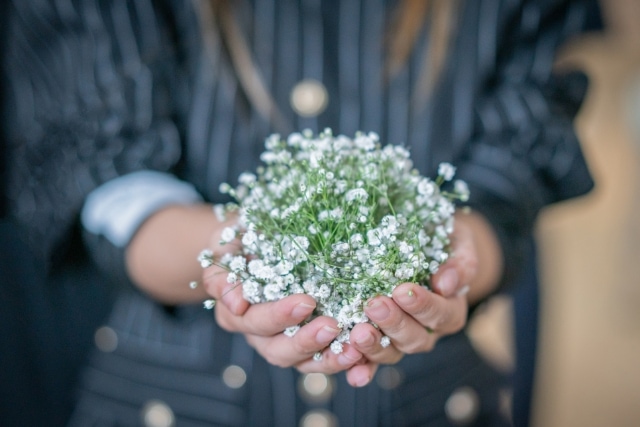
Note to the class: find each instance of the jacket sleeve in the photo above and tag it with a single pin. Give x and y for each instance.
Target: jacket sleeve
(86, 102)
(523, 153)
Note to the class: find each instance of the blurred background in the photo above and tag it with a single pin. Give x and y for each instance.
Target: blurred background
(588, 362)
(588, 365)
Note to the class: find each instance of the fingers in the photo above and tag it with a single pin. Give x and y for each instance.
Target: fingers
(459, 271)
(366, 339)
(284, 351)
(301, 349)
(440, 314)
(329, 362)
(406, 334)
(266, 319)
(264, 323)
(361, 374)
(412, 316)
(214, 280)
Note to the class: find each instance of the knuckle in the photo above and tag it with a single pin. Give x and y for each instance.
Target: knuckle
(300, 346)
(429, 310)
(413, 348)
(395, 325)
(419, 346)
(274, 359)
(224, 321)
(395, 357)
(457, 323)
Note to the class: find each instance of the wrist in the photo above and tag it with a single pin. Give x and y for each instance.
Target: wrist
(162, 255)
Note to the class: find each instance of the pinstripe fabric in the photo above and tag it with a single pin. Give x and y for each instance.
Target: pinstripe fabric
(142, 94)
(97, 89)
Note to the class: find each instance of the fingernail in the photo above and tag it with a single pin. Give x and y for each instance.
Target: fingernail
(377, 310)
(302, 310)
(448, 282)
(361, 382)
(326, 334)
(406, 298)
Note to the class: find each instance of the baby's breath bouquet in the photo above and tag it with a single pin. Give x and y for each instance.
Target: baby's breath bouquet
(341, 219)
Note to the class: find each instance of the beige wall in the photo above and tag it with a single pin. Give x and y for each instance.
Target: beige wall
(589, 365)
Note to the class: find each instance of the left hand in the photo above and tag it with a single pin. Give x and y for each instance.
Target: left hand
(414, 318)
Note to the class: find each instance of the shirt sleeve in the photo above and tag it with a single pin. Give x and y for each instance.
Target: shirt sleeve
(524, 153)
(86, 93)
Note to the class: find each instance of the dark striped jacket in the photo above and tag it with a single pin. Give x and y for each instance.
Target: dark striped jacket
(97, 89)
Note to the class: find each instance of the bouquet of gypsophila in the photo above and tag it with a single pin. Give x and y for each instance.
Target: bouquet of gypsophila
(340, 219)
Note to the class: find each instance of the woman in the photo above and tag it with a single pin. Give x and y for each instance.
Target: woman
(130, 115)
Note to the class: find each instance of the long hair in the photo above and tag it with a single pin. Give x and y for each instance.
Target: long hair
(411, 16)
(219, 25)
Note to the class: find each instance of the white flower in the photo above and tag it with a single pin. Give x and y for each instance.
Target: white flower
(426, 187)
(302, 242)
(462, 189)
(219, 212)
(446, 170)
(247, 179)
(227, 236)
(405, 248)
(205, 258)
(364, 142)
(283, 267)
(359, 194)
(336, 347)
(339, 219)
(373, 237)
(336, 213)
(252, 291)
(237, 264)
(404, 272)
(224, 188)
(249, 238)
(291, 330)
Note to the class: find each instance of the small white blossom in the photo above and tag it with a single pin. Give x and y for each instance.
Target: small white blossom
(249, 238)
(462, 189)
(227, 236)
(373, 237)
(237, 264)
(219, 212)
(205, 258)
(426, 187)
(336, 347)
(446, 170)
(224, 188)
(359, 194)
(247, 179)
(291, 330)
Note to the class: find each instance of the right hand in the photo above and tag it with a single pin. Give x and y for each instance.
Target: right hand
(263, 325)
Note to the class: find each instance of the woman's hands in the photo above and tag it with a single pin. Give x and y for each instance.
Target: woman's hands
(414, 318)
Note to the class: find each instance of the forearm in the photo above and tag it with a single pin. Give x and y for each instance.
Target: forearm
(161, 258)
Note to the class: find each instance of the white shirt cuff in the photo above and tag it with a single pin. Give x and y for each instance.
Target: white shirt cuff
(117, 208)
